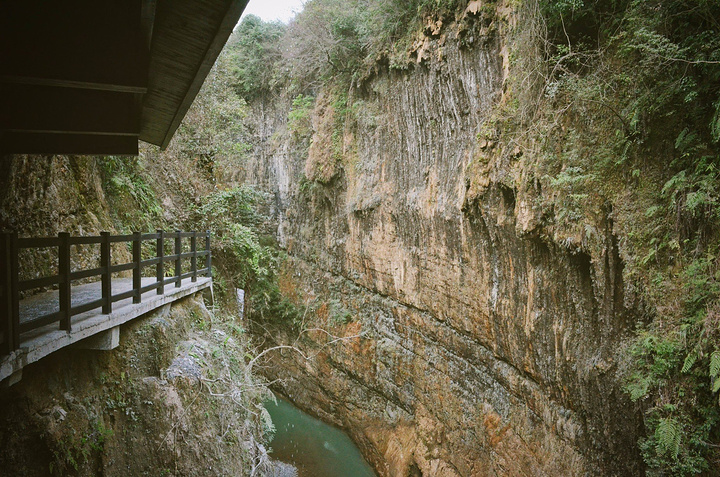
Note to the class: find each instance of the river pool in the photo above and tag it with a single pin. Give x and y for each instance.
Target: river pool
(313, 447)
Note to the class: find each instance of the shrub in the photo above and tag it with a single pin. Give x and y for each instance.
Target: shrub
(254, 51)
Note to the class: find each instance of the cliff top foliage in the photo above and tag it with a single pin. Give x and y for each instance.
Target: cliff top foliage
(629, 111)
(329, 40)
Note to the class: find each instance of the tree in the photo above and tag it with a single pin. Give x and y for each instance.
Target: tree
(254, 51)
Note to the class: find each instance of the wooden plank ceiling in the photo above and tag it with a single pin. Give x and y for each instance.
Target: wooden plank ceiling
(94, 76)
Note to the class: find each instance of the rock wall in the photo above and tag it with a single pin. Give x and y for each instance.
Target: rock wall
(43, 195)
(488, 342)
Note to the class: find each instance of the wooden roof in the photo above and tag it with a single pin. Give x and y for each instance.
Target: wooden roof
(94, 76)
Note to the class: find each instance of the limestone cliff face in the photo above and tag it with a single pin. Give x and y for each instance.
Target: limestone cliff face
(488, 342)
(41, 196)
(46, 195)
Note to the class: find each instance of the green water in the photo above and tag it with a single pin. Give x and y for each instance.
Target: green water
(315, 448)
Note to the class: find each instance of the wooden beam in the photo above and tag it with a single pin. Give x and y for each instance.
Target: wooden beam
(147, 21)
(77, 144)
(220, 36)
(75, 43)
(68, 110)
(72, 83)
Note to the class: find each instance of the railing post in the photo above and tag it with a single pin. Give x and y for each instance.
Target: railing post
(15, 290)
(208, 260)
(137, 272)
(105, 264)
(65, 283)
(6, 324)
(6, 302)
(160, 270)
(178, 262)
(193, 259)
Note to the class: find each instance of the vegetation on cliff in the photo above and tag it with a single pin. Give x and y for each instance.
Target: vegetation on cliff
(612, 109)
(191, 186)
(629, 110)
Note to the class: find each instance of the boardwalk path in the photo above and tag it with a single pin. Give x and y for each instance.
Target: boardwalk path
(43, 341)
(46, 303)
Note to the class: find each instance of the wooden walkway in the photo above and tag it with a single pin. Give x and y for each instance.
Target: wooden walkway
(41, 342)
(91, 313)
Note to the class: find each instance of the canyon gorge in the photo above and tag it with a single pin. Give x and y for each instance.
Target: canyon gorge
(481, 237)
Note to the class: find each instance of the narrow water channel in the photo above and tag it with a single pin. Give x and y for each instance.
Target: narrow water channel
(313, 447)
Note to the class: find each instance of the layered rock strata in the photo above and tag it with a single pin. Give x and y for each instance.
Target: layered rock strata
(488, 341)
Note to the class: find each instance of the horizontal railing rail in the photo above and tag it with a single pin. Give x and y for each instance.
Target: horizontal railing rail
(11, 285)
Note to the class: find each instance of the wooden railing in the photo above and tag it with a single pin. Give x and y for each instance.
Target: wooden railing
(11, 286)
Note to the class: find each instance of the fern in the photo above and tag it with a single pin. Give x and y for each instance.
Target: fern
(716, 385)
(668, 436)
(638, 387)
(715, 364)
(689, 361)
(715, 123)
